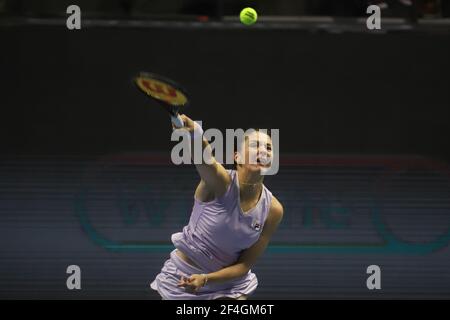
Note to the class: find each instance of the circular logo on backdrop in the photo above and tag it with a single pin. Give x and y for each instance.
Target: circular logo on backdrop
(161, 90)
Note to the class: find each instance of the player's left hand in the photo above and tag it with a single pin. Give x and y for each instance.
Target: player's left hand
(194, 282)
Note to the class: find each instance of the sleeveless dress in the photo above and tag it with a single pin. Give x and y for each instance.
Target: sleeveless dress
(217, 232)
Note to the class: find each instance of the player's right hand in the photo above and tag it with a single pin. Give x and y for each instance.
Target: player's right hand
(189, 124)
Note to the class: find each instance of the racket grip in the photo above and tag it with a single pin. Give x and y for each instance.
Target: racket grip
(177, 121)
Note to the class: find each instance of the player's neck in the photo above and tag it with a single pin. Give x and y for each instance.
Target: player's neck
(249, 183)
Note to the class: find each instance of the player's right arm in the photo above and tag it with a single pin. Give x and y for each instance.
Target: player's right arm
(214, 178)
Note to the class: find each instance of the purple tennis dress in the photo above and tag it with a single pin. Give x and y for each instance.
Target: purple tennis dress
(217, 233)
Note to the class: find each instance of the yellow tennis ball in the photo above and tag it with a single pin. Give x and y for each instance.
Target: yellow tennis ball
(248, 16)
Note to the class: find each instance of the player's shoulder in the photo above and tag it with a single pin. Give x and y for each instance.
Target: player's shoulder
(276, 209)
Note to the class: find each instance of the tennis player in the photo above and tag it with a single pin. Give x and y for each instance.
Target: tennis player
(232, 221)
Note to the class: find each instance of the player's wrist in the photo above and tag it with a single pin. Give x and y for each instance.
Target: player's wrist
(205, 279)
(197, 132)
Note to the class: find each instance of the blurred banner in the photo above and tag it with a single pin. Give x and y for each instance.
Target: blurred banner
(113, 216)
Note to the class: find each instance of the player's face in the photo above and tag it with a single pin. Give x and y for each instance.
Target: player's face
(257, 151)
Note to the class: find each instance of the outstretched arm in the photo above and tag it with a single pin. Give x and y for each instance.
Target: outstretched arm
(214, 177)
(247, 258)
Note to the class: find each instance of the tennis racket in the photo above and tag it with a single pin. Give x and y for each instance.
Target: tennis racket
(171, 96)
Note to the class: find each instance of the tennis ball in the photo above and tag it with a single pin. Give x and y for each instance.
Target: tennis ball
(248, 16)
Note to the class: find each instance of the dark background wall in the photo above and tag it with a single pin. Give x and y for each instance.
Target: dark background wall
(363, 121)
(71, 92)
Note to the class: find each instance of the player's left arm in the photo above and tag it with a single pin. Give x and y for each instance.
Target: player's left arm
(249, 256)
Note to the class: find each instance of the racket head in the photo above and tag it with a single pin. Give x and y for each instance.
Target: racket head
(166, 92)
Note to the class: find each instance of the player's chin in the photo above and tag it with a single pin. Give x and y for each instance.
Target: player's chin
(257, 168)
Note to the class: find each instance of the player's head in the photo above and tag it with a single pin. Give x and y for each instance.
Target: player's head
(254, 152)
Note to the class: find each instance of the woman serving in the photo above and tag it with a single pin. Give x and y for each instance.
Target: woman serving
(232, 221)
